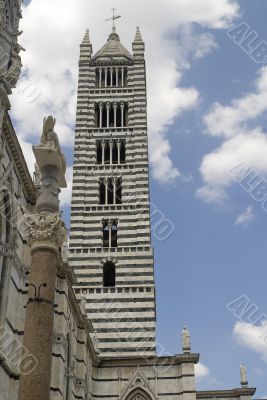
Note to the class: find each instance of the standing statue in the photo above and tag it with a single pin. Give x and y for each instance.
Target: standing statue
(51, 168)
(83, 303)
(243, 375)
(186, 340)
(37, 177)
(49, 138)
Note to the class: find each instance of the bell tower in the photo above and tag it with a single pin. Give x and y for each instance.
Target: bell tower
(110, 243)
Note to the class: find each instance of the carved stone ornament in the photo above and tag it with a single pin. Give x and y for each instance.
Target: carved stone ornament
(61, 339)
(44, 228)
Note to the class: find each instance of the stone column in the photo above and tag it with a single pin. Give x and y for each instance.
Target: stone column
(110, 232)
(122, 77)
(100, 77)
(111, 76)
(103, 151)
(115, 113)
(122, 113)
(114, 182)
(117, 76)
(46, 234)
(106, 190)
(119, 152)
(106, 77)
(108, 111)
(111, 151)
(100, 115)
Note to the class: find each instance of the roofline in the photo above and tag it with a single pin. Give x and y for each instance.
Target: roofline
(18, 156)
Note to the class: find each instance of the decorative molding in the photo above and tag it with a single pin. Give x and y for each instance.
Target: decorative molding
(109, 259)
(18, 159)
(225, 393)
(79, 382)
(60, 338)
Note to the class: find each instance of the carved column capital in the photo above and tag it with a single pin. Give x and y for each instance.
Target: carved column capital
(45, 231)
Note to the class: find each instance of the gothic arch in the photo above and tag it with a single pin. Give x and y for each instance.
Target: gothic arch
(138, 388)
(139, 394)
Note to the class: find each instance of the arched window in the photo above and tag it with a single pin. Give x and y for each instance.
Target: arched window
(109, 274)
(98, 152)
(107, 153)
(110, 191)
(123, 152)
(119, 192)
(115, 153)
(102, 192)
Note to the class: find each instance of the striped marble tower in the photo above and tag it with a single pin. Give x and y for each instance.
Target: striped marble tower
(110, 244)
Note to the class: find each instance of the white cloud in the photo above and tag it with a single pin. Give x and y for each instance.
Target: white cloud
(228, 121)
(201, 371)
(252, 337)
(245, 217)
(243, 142)
(53, 30)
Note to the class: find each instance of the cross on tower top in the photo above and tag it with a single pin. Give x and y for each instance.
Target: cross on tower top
(113, 18)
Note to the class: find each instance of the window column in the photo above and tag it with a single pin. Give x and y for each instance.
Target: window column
(106, 77)
(117, 76)
(103, 151)
(106, 190)
(119, 152)
(122, 77)
(115, 114)
(111, 151)
(100, 115)
(122, 113)
(100, 77)
(108, 110)
(114, 181)
(110, 223)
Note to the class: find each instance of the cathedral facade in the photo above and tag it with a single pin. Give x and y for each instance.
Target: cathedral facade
(104, 312)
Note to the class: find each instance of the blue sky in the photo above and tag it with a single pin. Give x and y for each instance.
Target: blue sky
(217, 251)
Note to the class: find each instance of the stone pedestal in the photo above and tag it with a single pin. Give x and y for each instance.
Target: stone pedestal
(46, 234)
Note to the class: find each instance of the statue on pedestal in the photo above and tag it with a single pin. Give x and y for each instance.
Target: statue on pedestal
(243, 375)
(49, 139)
(51, 164)
(186, 340)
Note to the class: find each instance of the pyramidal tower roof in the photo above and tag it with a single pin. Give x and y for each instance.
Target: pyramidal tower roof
(86, 39)
(138, 37)
(113, 48)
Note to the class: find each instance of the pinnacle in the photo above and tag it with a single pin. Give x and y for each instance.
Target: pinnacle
(86, 39)
(138, 36)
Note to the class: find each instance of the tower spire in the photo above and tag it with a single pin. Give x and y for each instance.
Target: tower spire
(138, 37)
(86, 39)
(138, 46)
(86, 47)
